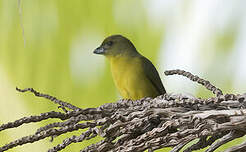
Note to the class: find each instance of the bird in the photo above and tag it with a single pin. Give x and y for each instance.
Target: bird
(134, 75)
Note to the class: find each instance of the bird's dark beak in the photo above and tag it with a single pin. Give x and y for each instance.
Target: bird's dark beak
(99, 50)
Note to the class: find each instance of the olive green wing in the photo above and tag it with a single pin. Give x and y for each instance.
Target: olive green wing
(152, 74)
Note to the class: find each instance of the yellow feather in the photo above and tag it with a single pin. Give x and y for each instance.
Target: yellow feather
(130, 79)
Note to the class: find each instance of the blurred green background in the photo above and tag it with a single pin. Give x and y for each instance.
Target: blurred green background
(54, 53)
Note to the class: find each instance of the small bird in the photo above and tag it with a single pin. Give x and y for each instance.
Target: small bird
(133, 74)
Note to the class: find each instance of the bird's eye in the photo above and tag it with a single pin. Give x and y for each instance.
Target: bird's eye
(109, 43)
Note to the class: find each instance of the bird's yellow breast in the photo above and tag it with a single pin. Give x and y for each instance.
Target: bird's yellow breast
(130, 78)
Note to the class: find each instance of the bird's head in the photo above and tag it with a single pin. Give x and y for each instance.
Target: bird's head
(116, 45)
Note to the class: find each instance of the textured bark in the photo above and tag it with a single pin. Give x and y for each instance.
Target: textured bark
(169, 120)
